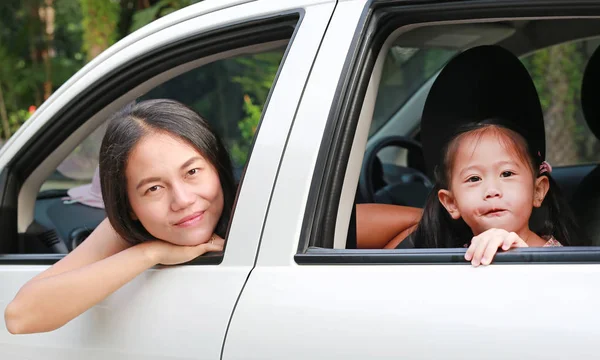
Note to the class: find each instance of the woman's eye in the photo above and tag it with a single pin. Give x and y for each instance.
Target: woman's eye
(473, 179)
(153, 188)
(193, 171)
(507, 173)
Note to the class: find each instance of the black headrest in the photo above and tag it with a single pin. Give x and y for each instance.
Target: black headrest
(479, 84)
(590, 87)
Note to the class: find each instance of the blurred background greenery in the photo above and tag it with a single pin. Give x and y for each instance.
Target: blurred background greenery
(44, 42)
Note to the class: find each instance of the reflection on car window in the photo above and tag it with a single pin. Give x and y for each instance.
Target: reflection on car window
(229, 93)
(405, 70)
(557, 72)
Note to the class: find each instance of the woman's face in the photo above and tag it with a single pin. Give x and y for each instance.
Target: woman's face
(173, 190)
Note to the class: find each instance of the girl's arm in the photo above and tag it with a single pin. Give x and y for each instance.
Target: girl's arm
(103, 263)
(380, 226)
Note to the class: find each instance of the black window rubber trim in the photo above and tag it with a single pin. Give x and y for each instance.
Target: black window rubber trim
(547, 255)
(378, 21)
(117, 83)
(214, 258)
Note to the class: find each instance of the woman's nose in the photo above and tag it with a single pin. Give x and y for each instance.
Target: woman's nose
(182, 197)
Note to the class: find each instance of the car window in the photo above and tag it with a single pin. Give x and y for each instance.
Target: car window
(405, 70)
(557, 72)
(229, 93)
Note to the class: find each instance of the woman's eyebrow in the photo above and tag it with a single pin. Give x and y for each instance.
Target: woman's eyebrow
(190, 161)
(146, 181)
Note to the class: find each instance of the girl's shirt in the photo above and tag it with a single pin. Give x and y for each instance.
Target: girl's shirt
(552, 243)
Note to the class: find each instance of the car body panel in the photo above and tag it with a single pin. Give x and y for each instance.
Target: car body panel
(192, 303)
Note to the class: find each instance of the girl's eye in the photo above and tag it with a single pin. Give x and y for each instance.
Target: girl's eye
(193, 171)
(507, 173)
(473, 179)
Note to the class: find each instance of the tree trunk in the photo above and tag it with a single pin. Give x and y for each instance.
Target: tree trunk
(47, 17)
(560, 123)
(4, 115)
(33, 51)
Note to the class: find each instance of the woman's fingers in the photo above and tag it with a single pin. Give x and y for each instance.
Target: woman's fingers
(215, 245)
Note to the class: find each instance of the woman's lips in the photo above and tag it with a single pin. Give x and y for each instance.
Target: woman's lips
(190, 220)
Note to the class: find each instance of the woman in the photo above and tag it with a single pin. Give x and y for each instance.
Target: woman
(164, 175)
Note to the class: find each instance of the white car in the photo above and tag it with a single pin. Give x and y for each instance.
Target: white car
(290, 283)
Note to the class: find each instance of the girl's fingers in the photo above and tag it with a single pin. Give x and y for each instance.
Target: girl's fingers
(479, 250)
(510, 241)
(471, 249)
(491, 249)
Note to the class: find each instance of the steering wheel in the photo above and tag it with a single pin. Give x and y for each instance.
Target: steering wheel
(366, 181)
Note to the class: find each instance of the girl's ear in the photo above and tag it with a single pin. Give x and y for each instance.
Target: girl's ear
(447, 200)
(542, 185)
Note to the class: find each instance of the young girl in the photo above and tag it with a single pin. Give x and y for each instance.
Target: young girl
(164, 175)
(487, 184)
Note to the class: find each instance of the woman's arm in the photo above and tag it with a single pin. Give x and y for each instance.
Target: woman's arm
(103, 263)
(380, 226)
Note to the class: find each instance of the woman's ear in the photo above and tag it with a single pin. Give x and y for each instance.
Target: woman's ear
(448, 202)
(542, 185)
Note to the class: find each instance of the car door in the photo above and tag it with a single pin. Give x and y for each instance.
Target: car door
(166, 312)
(329, 301)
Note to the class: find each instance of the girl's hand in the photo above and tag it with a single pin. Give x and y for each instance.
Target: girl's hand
(485, 245)
(165, 253)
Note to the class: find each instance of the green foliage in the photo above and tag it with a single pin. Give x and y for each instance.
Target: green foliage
(161, 8)
(100, 20)
(230, 93)
(15, 120)
(247, 127)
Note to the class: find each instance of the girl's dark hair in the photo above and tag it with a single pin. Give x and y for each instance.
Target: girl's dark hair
(438, 230)
(124, 131)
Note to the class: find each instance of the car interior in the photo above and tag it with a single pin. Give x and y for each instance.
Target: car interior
(393, 167)
(391, 161)
(53, 222)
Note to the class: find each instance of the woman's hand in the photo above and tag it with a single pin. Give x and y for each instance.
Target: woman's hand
(485, 245)
(165, 253)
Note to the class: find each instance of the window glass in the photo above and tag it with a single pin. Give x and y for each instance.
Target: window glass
(557, 72)
(405, 70)
(229, 93)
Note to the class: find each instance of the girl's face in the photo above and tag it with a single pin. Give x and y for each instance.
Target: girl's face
(491, 186)
(173, 190)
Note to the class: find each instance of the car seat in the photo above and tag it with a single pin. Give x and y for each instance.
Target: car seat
(586, 198)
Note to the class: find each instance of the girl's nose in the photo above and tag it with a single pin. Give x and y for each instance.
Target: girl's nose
(492, 192)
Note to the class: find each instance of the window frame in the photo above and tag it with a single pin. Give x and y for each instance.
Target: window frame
(111, 87)
(380, 19)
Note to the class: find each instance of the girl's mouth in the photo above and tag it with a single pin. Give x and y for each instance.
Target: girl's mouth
(494, 212)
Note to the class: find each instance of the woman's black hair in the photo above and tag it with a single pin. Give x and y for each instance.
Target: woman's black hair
(437, 229)
(124, 131)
